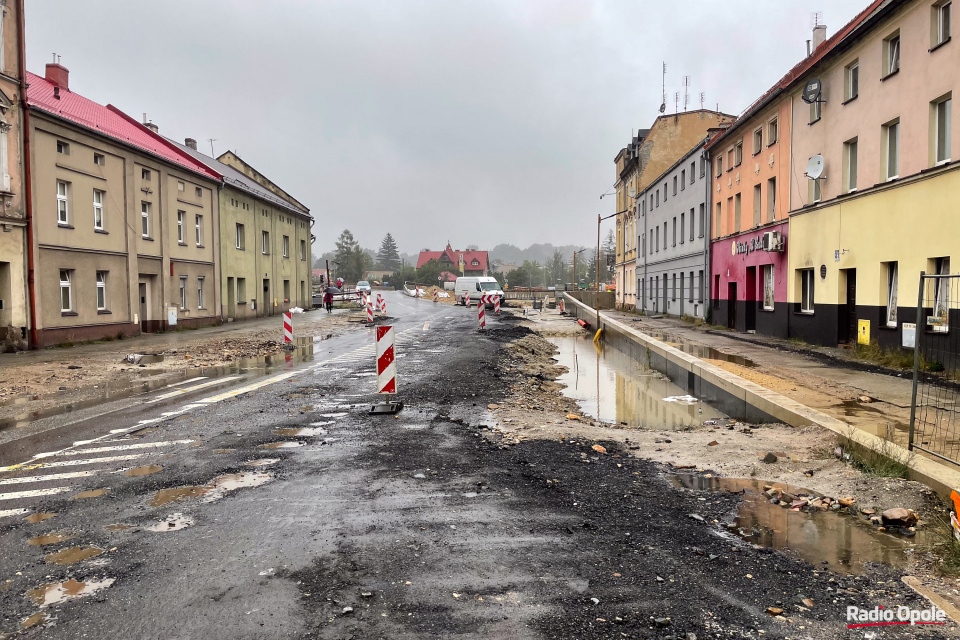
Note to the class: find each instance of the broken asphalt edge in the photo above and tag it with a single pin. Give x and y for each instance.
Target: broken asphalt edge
(935, 475)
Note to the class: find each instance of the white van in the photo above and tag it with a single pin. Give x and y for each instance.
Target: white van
(469, 289)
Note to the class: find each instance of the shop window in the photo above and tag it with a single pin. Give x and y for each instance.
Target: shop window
(768, 287)
(806, 290)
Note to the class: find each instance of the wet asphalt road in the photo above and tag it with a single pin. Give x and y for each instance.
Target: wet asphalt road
(419, 526)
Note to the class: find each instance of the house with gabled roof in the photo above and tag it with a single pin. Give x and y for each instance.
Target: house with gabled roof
(475, 262)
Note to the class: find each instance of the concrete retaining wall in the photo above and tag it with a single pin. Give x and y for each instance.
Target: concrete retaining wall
(748, 401)
(608, 299)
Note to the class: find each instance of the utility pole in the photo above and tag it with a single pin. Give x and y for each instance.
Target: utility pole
(329, 282)
(599, 218)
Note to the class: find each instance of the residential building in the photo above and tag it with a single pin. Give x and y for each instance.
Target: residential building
(651, 153)
(124, 224)
(265, 241)
(474, 263)
(14, 240)
(672, 269)
(885, 206)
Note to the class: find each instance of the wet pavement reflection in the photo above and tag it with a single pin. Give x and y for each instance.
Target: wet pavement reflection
(842, 541)
(614, 388)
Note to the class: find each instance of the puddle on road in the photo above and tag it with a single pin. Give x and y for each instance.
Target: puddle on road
(173, 522)
(34, 518)
(37, 619)
(176, 494)
(302, 431)
(118, 527)
(95, 493)
(700, 351)
(216, 489)
(845, 541)
(629, 393)
(51, 538)
(282, 445)
(73, 555)
(263, 462)
(48, 594)
(147, 470)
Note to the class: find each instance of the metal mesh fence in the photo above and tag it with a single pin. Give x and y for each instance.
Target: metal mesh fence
(935, 407)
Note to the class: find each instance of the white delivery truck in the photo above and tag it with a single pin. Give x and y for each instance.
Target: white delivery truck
(468, 290)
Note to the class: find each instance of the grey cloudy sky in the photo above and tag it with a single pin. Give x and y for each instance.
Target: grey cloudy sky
(475, 121)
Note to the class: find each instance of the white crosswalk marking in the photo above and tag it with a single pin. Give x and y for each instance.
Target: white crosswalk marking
(49, 477)
(123, 447)
(78, 463)
(13, 512)
(186, 390)
(17, 495)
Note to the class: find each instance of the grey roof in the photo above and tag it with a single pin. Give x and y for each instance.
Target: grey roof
(238, 180)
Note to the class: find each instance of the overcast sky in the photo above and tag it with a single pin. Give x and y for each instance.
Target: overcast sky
(480, 122)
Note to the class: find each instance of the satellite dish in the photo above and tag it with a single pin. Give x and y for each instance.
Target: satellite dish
(663, 107)
(811, 92)
(815, 167)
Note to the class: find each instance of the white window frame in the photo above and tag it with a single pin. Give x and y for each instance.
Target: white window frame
(200, 292)
(181, 186)
(264, 242)
(942, 24)
(757, 140)
(851, 81)
(773, 131)
(198, 222)
(66, 284)
(183, 292)
(892, 45)
(769, 286)
(851, 152)
(285, 242)
(941, 153)
(892, 285)
(101, 290)
(738, 153)
(807, 289)
(180, 216)
(145, 219)
(892, 146)
(98, 209)
(63, 202)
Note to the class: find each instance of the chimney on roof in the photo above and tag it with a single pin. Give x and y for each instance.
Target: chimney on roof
(152, 127)
(819, 35)
(190, 142)
(58, 76)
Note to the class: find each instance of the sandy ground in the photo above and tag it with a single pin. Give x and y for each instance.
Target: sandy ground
(806, 456)
(43, 380)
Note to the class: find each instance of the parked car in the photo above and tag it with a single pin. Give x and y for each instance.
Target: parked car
(469, 289)
(363, 285)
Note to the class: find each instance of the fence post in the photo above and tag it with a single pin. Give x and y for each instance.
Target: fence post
(916, 363)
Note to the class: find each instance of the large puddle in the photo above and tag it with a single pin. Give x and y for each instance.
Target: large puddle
(846, 542)
(613, 388)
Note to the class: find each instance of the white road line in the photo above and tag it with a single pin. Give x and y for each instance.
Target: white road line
(250, 387)
(17, 495)
(125, 447)
(186, 390)
(48, 478)
(188, 380)
(85, 461)
(13, 512)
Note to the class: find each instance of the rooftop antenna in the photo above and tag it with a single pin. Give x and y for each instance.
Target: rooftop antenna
(212, 140)
(702, 99)
(816, 18)
(663, 95)
(686, 92)
(676, 103)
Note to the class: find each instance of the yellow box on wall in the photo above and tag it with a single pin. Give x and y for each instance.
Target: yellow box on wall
(863, 332)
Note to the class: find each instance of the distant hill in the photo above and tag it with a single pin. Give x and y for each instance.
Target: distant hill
(511, 254)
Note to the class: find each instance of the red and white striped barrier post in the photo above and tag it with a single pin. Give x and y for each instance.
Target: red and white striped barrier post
(496, 305)
(287, 328)
(379, 303)
(386, 361)
(481, 316)
(436, 295)
(370, 310)
(383, 305)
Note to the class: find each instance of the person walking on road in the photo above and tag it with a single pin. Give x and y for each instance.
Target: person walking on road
(328, 301)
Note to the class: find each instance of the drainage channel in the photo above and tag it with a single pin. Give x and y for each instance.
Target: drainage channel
(153, 379)
(842, 541)
(612, 387)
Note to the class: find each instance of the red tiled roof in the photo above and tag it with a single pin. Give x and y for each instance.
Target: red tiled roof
(453, 257)
(800, 68)
(449, 277)
(108, 121)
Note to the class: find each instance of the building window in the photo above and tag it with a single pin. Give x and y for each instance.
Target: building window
(690, 288)
(265, 242)
(285, 241)
(145, 219)
(758, 141)
(700, 227)
(730, 159)
(756, 205)
(683, 226)
(180, 185)
(199, 192)
(286, 291)
(941, 127)
(674, 185)
(736, 213)
(98, 209)
(63, 147)
(674, 296)
(145, 174)
(772, 132)
(816, 110)
(183, 292)
(768, 282)
(664, 192)
(806, 290)
(891, 319)
(851, 81)
(658, 239)
(658, 197)
(674, 231)
(941, 23)
(303, 249)
(180, 216)
(683, 179)
(101, 290)
(703, 166)
(771, 199)
(693, 170)
(700, 286)
(200, 292)
(716, 226)
(242, 290)
(850, 166)
(241, 237)
(199, 227)
(66, 290)
(719, 166)
(63, 207)
(738, 154)
(691, 224)
(99, 159)
(891, 148)
(891, 54)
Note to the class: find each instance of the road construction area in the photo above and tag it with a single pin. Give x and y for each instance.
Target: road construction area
(270, 503)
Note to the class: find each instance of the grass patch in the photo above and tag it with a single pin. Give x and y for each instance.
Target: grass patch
(345, 305)
(66, 344)
(890, 461)
(893, 358)
(946, 545)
